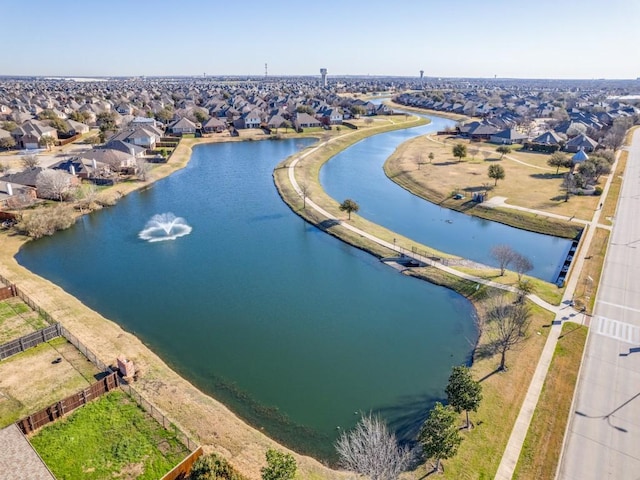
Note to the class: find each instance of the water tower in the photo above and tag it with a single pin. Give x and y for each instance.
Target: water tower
(323, 74)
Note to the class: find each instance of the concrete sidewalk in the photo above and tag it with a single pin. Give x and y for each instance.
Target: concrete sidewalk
(512, 451)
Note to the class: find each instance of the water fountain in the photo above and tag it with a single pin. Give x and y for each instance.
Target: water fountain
(164, 226)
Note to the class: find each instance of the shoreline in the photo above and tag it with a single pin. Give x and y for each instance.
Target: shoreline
(222, 430)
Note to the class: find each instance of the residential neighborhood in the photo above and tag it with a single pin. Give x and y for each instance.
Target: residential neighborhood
(131, 117)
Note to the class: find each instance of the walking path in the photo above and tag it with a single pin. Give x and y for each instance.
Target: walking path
(512, 451)
(501, 202)
(419, 258)
(565, 312)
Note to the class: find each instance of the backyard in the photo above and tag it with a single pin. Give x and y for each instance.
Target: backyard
(111, 437)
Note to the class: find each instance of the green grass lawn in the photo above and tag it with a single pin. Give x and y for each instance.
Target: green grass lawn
(109, 438)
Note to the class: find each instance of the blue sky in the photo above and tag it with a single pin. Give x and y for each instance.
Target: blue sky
(452, 38)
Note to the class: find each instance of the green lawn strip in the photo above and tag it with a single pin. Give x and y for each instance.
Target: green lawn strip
(108, 438)
(609, 208)
(543, 443)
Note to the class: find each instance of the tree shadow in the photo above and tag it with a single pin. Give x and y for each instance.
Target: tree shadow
(327, 224)
(482, 352)
(494, 159)
(407, 416)
(546, 176)
(559, 198)
(569, 332)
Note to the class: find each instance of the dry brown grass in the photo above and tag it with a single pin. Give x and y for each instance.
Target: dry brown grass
(30, 382)
(528, 182)
(17, 319)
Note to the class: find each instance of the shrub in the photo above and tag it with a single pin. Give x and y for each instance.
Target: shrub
(213, 467)
(598, 190)
(46, 221)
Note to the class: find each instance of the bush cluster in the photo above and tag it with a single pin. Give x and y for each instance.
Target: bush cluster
(46, 221)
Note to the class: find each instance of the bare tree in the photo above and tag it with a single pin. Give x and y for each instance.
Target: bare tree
(504, 255)
(54, 184)
(143, 167)
(507, 325)
(30, 161)
(370, 449)
(521, 265)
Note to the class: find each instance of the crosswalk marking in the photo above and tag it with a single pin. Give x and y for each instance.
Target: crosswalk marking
(622, 331)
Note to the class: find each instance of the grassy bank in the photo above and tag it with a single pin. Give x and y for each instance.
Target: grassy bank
(425, 166)
(503, 392)
(539, 456)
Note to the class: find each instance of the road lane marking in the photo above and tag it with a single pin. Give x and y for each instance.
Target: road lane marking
(619, 306)
(625, 332)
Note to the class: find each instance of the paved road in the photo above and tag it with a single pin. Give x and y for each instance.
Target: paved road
(603, 438)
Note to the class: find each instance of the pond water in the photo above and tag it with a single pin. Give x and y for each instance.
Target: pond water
(357, 173)
(291, 328)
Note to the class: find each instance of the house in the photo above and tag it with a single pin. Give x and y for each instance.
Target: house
(548, 138)
(182, 126)
(508, 137)
(144, 136)
(214, 125)
(276, 121)
(16, 196)
(251, 119)
(25, 178)
(76, 166)
(304, 120)
(581, 142)
(482, 132)
(115, 159)
(77, 128)
(29, 134)
(128, 148)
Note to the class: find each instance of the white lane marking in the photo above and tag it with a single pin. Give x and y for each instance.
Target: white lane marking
(625, 332)
(619, 306)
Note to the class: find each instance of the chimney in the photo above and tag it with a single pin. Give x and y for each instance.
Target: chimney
(94, 164)
(9, 189)
(73, 170)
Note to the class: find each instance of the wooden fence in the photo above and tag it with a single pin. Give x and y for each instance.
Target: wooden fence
(25, 298)
(48, 333)
(30, 340)
(182, 470)
(69, 404)
(158, 415)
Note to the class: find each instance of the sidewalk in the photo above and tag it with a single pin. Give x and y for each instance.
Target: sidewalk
(512, 451)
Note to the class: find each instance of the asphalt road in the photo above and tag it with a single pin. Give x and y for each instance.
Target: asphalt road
(603, 438)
